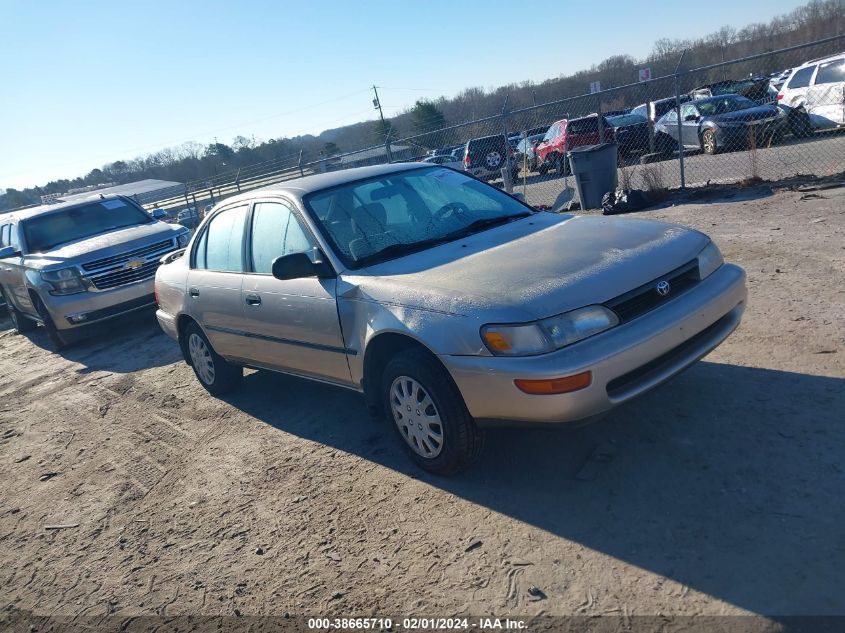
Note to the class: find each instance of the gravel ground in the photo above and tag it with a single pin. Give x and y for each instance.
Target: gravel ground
(722, 492)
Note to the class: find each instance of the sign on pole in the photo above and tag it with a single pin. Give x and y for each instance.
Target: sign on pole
(645, 74)
(595, 86)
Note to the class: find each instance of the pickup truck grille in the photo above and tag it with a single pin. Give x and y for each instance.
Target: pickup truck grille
(111, 272)
(645, 298)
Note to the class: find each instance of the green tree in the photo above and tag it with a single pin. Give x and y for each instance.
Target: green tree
(330, 149)
(425, 117)
(221, 151)
(383, 131)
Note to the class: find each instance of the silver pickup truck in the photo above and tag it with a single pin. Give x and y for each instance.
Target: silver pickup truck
(69, 265)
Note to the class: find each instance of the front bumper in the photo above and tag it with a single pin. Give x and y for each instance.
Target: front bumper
(625, 362)
(65, 310)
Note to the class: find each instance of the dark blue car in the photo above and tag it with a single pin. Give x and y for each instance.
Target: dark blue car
(726, 122)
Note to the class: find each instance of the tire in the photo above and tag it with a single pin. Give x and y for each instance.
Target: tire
(215, 374)
(58, 341)
(413, 378)
(708, 142)
(799, 124)
(543, 168)
(20, 322)
(493, 160)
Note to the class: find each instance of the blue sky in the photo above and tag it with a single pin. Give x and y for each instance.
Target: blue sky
(86, 83)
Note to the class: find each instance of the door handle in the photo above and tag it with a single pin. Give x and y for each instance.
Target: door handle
(253, 300)
(194, 292)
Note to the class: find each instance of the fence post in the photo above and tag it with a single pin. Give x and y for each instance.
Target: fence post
(387, 148)
(598, 117)
(680, 127)
(238, 180)
(299, 164)
(648, 117)
(507, 181)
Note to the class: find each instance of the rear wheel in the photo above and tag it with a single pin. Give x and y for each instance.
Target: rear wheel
(215, 373)
(20, 322)
(428, 413)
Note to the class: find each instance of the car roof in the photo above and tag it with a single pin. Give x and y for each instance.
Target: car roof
(43, 209)
(821, 60)
(299, 187)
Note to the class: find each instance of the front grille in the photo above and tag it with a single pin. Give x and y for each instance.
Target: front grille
(645, 298)
(123, 276)
(618, 387)
(111, 272)
(139, 253)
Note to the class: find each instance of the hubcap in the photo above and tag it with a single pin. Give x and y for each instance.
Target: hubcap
(709, 142)
(416, 417)
(201, 359)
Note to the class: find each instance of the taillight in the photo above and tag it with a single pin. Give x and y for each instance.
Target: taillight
(467, 160)
(780, 97)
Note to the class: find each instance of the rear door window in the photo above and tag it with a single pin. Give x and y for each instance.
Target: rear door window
(831, 72)
(220, 247)
(801, 79)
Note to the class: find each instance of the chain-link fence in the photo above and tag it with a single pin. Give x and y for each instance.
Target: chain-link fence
(769, 116)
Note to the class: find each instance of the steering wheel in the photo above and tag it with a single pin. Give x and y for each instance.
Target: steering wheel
(450, 209)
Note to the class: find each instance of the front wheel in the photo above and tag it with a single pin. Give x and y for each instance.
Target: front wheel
(708, 142)
(58, 340)
(799, 124)
(214, 372)
(429, 413)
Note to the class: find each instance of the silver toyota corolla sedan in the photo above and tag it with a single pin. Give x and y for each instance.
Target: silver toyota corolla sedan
(449, 304)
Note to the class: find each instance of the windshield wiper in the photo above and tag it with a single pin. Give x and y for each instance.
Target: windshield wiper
(406, 249)
(401, 249)
(486, 223)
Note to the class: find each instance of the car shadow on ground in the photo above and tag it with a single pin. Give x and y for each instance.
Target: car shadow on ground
(128, 344)
(728, 480)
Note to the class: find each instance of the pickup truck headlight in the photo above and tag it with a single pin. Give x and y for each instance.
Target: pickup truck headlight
(549, 334)
(709, 259)
(182, 239)
(65, 281)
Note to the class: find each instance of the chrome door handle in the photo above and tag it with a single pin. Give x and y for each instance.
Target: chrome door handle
(253, 300)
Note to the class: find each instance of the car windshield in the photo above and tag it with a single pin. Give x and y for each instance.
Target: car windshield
(376, 219)
(45, 232)
(732, 103)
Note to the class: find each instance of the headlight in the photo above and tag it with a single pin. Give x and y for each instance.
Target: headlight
(182, 240)
(549, 334)
(65, 281)
(709, 259)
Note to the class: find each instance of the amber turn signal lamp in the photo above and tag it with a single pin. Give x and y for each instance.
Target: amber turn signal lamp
(555, 385)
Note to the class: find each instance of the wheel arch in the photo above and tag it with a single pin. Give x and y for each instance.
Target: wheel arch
(182, 322)
(378, 352)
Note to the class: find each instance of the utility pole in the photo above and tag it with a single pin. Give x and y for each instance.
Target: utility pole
(377, 104)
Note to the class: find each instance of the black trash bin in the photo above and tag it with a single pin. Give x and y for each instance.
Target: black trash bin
(594, 169)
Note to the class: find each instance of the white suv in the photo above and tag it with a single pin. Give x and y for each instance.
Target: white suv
(814, 95)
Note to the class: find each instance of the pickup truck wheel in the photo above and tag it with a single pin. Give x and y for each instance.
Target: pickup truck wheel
(21, 323)
(215, 373)
(429, 413)
(57, 339)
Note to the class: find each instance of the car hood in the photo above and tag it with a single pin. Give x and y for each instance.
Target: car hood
(532, 268)
(104, 245)
(750, 114)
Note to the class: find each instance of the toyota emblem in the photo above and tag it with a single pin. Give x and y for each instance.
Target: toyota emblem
(663, 288)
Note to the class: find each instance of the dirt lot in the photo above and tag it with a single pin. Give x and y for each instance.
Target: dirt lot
(722, 492)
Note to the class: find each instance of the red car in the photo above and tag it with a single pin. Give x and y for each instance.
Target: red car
(564, 135)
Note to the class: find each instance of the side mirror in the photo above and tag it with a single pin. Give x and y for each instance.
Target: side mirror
(9, 251)
(297, 266)
(159, 214)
